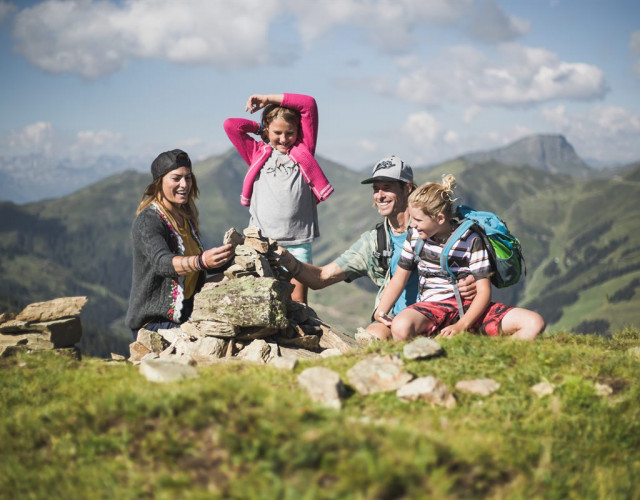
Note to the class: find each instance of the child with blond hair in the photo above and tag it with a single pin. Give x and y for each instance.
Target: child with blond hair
(431, 207)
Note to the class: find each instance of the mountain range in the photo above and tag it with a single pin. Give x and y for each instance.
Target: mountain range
(35, 177)
(580, 237)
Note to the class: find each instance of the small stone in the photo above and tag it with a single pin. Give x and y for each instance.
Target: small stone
(543, 389)
(257, 351)
(430, 389)
(603, 390)
(481, 387)
(323, 385)
(378, 374)
(422, 348)
(233, 237)
(163, 371)
(330, 353)
(284, 362)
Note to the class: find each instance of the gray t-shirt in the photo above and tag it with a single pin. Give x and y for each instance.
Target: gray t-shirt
(282, 204)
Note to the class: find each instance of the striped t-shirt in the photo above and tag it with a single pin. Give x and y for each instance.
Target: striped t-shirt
(468, 256)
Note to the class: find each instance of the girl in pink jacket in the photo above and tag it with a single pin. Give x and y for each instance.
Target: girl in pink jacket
(284, 182)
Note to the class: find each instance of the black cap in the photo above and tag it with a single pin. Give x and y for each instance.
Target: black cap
(168, 161)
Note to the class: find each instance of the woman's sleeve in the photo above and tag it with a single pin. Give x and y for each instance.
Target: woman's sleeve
(309, 118)
(150, 235)
(238, 130)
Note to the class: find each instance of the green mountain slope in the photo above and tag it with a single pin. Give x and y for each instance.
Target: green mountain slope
(580, 239)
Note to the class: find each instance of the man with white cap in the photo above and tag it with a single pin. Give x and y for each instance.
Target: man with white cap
(377, 251)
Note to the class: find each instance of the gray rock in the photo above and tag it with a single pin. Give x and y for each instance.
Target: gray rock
(330, 353)
(151, 340)
(210, 328)
(603, 390)
(203, 350)
(323, 386)
(298, 353)
(137, 351)
(257, 351)
(54, 334)
(284, 362)
(430, 389)
(422, 348)
(163, 371)
(543, 389)
(378, 374)
(232, 236)
(481, 387)
(246, 301)
(63, 307)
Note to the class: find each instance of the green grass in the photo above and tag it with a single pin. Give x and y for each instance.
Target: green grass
(97, 429)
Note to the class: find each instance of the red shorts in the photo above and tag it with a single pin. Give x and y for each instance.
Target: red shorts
(445, 312)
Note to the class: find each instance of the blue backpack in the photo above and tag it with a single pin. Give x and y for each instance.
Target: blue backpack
(505, 251)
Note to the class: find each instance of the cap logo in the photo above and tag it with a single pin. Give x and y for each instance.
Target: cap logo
(384, 165)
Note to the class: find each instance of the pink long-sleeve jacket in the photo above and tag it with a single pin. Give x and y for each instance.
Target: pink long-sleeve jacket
(256, 153)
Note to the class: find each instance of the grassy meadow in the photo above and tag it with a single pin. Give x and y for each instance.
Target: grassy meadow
(97, 429)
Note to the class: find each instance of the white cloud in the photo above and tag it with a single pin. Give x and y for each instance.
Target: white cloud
(6, 8)
(471, 113)
(490, 24)
(423, 129)
(103, 139)
(96, 37)
(93, 38)
(368, 146)
(389, 24)
(521, 76)
(634, 48)
(606, 133)
(36, 138)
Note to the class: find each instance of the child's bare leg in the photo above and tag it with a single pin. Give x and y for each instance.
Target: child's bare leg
(408, 324)
(379, 330)
(522, 324)
(300, 291)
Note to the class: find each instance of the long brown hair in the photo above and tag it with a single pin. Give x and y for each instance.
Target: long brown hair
(153, 192)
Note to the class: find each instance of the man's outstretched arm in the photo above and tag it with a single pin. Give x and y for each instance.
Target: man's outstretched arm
(313, 276)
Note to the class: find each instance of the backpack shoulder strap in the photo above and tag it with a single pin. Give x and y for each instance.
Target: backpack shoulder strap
(444, 259)
(382, 251)
(446, 250)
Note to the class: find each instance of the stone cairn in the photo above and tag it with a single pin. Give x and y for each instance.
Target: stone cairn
(245, 314)
(54, 324)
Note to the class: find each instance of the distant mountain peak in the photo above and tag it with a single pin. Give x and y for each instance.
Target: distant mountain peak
(549, 152)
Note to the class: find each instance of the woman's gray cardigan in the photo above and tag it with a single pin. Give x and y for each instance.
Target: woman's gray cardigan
(157, 291)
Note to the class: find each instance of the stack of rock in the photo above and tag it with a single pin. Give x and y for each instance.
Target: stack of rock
(250, 305)
(54, 324)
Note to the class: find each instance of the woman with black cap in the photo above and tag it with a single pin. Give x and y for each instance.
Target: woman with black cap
(169, 262)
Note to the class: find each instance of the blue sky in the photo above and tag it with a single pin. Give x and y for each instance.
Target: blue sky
(426, 80)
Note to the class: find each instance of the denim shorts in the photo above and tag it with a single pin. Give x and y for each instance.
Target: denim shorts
(302, 251)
